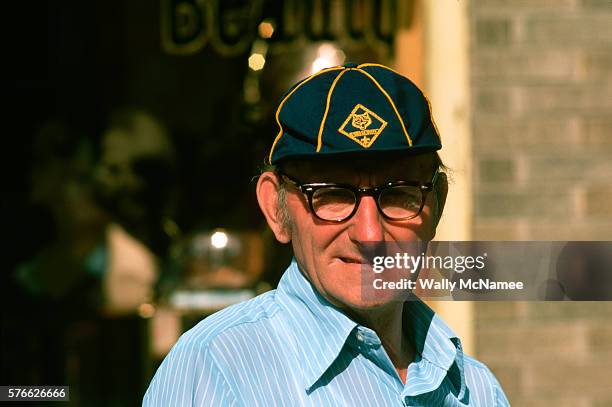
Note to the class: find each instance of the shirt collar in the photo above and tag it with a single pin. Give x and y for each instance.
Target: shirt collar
(437, 346)
(439, 351)
(325, 324)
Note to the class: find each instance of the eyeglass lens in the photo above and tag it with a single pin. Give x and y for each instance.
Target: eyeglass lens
(333, 203)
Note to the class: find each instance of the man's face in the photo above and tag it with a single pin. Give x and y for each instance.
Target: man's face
(330, 254)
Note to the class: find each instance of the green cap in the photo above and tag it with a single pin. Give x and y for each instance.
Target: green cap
(353, 109)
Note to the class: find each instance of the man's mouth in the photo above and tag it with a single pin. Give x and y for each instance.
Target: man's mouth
(353, 260)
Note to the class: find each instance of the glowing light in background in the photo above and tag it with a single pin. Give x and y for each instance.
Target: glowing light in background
(266, 29)
(146, 310)
(257, 62)
(328, 55)
(219, 240)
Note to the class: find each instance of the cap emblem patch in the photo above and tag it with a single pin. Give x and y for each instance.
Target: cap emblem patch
(362, 126)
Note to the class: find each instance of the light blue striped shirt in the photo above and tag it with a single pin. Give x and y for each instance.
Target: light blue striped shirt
(291, 347)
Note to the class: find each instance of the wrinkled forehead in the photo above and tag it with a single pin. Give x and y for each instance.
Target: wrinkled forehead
(376, 170)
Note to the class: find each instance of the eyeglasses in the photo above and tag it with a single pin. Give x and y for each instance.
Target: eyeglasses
(396, 201)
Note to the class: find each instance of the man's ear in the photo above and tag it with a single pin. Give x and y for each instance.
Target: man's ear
(440, 192)
(268, 189)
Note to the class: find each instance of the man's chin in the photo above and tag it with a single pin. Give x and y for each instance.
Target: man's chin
(360, 303)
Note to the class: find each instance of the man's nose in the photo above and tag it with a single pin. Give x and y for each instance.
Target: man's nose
(366, 224)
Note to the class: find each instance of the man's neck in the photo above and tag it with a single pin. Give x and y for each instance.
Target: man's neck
(387, 322)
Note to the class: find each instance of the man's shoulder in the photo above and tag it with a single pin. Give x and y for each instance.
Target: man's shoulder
(473, 363)
(478, 375)
(477, 371)
(200, 363)
(237, 319)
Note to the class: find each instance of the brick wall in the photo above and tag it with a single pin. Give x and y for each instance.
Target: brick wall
(541, 84)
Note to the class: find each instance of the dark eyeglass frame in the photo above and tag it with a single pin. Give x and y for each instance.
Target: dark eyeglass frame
(309, 189)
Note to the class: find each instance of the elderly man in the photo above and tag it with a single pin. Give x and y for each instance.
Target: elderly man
(354, 162)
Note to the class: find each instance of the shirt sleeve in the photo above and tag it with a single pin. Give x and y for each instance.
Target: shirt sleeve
(189, 376)
(500, 397)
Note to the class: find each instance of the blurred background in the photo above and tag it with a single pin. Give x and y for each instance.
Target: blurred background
(134, 130)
